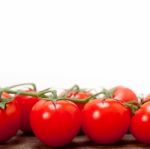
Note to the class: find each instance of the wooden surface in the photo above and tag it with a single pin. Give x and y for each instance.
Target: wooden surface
(80, 142)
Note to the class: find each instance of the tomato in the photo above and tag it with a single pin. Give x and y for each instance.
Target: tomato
(105, 122)
(55, 123)
(26, 104)
(10, 118)
(140, 124)
(79, 95)
(124, 94)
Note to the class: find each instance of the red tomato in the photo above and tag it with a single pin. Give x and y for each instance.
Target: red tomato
(9, 121)
(140, 124)
(79, 95)
(124, 94)
(26, 104)
(105, 122)
(55, 124)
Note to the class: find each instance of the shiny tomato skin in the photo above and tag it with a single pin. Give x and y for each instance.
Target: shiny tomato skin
(124, 94)
(10, 118)
(105, 122)
(79, 95)
(140, 124)
(26, 103)
(55, 124)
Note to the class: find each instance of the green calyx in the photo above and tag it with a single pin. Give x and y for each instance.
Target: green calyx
(4, 102)
(74, 88)
(133, 105)
(108, 93)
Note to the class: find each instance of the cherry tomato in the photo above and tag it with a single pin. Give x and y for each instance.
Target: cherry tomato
(10, 118)
(105, 122)
(26, 104)
(124, 94)
(55, 123)
(79, 95)
(140, 124)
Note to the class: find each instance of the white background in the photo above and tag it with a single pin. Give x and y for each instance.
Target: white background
(91, 43)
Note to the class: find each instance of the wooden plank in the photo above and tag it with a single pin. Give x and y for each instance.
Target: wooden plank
(80, 142)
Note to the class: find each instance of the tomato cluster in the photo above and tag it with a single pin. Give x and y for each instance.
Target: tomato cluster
(57, 119)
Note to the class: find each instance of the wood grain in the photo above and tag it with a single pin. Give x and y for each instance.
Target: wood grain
(80, 142)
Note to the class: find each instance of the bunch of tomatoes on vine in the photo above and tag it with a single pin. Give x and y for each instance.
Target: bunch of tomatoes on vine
(104, 117)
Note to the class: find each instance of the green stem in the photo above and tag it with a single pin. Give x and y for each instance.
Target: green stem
(34, 94)
(75, 88)
(53, 92)
(133, 105)
(42, 91)
(145, 101)
(23, 84)
(41, 94)
(82, 101)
